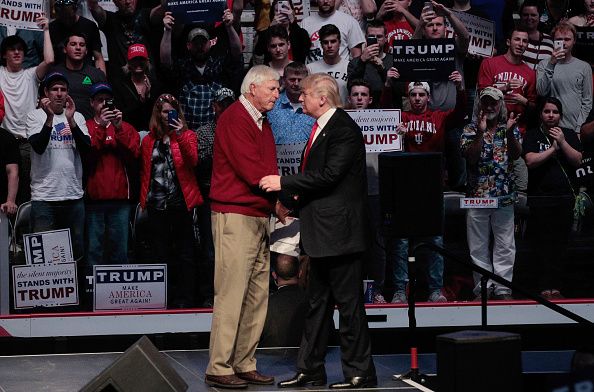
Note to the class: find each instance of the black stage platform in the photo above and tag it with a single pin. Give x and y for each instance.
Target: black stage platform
(70, 372)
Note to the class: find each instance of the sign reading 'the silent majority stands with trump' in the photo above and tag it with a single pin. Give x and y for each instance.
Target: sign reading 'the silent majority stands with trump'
(288, 158)
(424, 59)
(22, 13)
(197, 11)
(379, 128)
(45, 285)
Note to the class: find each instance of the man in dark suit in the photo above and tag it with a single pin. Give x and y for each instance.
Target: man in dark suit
(332, 192)
(287, 307)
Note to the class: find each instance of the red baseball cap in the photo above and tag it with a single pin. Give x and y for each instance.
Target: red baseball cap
(137, 50)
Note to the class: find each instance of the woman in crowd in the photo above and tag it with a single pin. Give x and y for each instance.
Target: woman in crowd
(552, 154)
(587, 17)
(282, 13)
(169, 191)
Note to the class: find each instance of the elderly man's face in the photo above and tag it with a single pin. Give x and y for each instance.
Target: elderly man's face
(265, 95)
(491, 107)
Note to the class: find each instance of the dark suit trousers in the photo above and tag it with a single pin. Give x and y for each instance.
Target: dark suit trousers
(336, 280)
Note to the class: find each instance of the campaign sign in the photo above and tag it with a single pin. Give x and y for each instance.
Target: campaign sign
(46, 247)
(288, 158)
(301, 9)
(45, 285)
(584, 44)
(130, 287)
(481, 31)
(479, 202)
(21, 13)
(379, 128)
(197, 11)
(424, 59)
(585, 172)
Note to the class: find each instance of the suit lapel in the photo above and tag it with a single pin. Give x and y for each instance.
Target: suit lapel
(328, 128)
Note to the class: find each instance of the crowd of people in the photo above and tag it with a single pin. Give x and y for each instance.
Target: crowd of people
(170, 117)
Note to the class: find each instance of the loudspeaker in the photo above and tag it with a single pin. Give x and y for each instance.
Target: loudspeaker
(411, 193)
(141, 368)
(483, 361)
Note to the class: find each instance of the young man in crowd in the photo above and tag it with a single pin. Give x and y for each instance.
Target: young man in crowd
(566, 78)
(399, 22)
(80, 74)
(351, 36)
(278, 48)
(58, 135)
(332, 64)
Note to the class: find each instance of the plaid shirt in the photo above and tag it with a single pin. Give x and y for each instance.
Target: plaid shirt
(198, 89)
(252, 111)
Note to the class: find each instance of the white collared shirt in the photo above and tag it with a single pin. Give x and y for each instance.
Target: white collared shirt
(322, 121)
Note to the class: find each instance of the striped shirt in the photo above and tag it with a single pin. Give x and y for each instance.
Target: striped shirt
(538, 50)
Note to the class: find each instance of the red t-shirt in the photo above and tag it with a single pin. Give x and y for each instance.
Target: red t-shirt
(499, 70)
(398, 30)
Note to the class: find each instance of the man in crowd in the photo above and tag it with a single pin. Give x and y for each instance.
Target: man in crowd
(58, 136)
(432, 26)
(289, 123)
(80, 74)
(278, 48)
(332, 193)
(244, 152)
(566, 78)
(511, 75)
(331, 63)
(19, 86)
(351, 36)
(67, 22)
(424, 130)
(202, 72)
(489, 145)
(540, 45)
(374, 62)
(115, 144)
(287, 306)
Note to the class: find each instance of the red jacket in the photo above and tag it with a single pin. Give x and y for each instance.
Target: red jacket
(110, 152)
(184, 149)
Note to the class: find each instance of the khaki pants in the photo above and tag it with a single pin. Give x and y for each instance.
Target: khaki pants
(242, 268)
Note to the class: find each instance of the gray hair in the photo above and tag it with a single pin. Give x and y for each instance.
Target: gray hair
(501, 118)
(257, 75)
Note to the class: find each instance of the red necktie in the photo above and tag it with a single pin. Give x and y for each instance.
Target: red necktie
(309, 142)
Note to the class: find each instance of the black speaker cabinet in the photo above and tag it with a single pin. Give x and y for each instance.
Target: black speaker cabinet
(411, 193)
(141, 368)
(486, 361)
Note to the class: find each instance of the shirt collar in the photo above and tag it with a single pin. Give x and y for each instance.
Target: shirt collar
(324, 118)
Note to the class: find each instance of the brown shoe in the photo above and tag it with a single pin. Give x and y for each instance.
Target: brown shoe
(254, 377)
(230, 381)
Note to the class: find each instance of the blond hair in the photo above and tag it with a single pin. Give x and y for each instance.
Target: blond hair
(323, 85)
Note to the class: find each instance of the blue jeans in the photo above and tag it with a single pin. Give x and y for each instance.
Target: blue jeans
(107, 232)
(67, 214)
(397, 250)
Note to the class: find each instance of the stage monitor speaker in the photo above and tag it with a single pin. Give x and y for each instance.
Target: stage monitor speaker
(141, 368)
(486, 361)
(411, 193)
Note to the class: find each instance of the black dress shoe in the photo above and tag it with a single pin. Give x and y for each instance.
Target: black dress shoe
(303, 379)
(355, 382)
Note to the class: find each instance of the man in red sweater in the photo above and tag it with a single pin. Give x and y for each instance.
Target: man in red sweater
(244, 152)
(114, 144)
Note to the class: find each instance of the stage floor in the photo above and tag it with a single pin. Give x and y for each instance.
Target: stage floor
(70, 372)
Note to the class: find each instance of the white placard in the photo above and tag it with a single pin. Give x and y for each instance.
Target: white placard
(130, 287)
(288, 158)
(46, 247)
(302, 9)
(22, 13)
(45, 285)
(479, 202)
(482, 33)
(379, 128)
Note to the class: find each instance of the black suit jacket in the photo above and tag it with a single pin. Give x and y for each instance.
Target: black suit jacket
(332, 191)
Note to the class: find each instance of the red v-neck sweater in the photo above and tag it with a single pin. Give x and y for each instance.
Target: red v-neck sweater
(243, 154)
